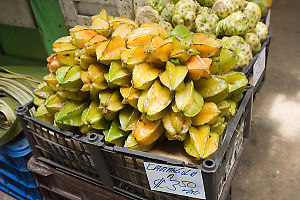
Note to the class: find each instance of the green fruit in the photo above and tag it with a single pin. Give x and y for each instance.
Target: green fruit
(54, 103)
(43, 90)
(168, 12)
(207, 3)
(128, 118)
(146, 14)
(184, 13)
(223, 63)
(188, 101)
(264, 6)
(70, 113)
(115, 135)
(254, 42)
(43, 114)
(69, 77)
(219, 126)
(237, 82)
(118, 75)
(206, 21)
(213, 89)
(224, 8)
(261, 30)
(181, 31)
(158, 5)
(110, 101)
(131, 143)
(93, 117)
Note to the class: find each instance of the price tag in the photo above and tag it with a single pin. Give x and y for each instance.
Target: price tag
(176, 180)
(259, 66)
(268, 19)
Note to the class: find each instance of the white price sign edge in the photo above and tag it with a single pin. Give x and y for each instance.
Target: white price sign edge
(259, 66)
(181, 177)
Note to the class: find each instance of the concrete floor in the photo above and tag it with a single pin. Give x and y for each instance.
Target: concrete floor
(271, 162)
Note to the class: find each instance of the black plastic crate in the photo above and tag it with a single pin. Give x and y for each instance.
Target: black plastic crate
(127, 166)
(61, 149)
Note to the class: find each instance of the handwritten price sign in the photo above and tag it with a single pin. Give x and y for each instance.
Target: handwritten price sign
(176, 180)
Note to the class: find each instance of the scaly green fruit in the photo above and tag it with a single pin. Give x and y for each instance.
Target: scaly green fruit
(69, 77)
(168, 12)
(235, 24)
(253, 12)
(241, 48)
(224, 8)
(184, 13)
(154, 101)
(70, 113)
(264, 5)
(261, 30)
(128, 118)
(173, 77)
(115, 135)
(223, 63)
(207, 3)
(176, 125)
(206, 20)
(213, 89)
(43, 90)
(166, 25)
(254, 42)
(188, 101)
(146, 14)
(158, 5)
(93, 117)
(131, 143)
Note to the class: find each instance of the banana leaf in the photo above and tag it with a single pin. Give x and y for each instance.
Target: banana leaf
(15, 90)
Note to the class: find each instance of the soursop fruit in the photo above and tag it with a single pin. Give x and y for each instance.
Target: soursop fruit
(206, 20)
(146, 14)
(253, 40)
(207, 3)
(157, 5)
(224, 8)
(185, 13)
(261, 30)
(167, 25)
(234, 24)
(241, 49)
(253, 12)
(168, 12)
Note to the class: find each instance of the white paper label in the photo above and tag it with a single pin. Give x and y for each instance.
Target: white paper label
(268, 19)
(176, 180)
(259, 66)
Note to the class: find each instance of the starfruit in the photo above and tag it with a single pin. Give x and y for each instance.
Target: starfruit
(110, 50)
(77, 95)
(115, 135)
(141, 36)
(81, 37)
(154, 101)
(43, 114)
(134, 56)
(85, 61)
(70, 113)
(118, 75)
(63, 44)
(122, 20)
(188, 101)
(101, 26)
(91, 46)
(78, 28)
(201, 143)
(208, 115)
(101, 15)
(198, 67)
(131, 143)
(38, 101)
(92, 116)
(51, 81)
(176, 125)
(143, 75)
(159, 50)
(128, 118)
(174, 76)
(130, 95)
(147, 132)
(53, 63)
(110, 103)
(227, 109)
(213, 89)
(181, 31)
(43, 90)
(66, 57)
(207, 45)
(69, 77)
(224, 62)
(237, 82)
(93, 79)
(162, 32)
(53, 103)
(219, 126)
(181, 51)
(122, 30)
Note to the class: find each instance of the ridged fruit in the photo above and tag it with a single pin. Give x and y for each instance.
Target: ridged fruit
(130, 96)
(207, 45)
(128, 118)
(110, 103)
(198, 67)
(93, 117)
(53, 103)
(208, 115)
(114, 134)
(118, 75)
(141, 36)
(225, 62)
(131, 143)
(69, 77)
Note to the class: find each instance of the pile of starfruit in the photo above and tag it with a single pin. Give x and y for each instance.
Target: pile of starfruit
(138, 85)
